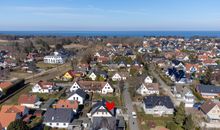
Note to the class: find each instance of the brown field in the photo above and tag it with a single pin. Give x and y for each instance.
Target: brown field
(71, 46)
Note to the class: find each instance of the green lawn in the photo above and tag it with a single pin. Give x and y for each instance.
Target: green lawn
(110, 97)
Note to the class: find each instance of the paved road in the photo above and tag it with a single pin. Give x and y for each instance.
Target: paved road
(164, 86)
(133, 125)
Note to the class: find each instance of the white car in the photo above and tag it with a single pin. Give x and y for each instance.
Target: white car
(134, 115)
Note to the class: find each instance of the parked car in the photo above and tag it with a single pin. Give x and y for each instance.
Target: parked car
(134, 115)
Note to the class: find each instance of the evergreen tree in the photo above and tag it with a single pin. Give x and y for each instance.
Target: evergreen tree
(208, 76)
(172, 126)
(189, 124)
(17, 125)
(179, 117)
(47, 128)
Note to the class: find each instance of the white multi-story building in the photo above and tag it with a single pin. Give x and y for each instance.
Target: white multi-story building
(55, 59)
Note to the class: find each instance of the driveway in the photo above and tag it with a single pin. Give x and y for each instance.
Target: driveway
(133, 125)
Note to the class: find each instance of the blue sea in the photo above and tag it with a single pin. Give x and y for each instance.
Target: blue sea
(186, 34)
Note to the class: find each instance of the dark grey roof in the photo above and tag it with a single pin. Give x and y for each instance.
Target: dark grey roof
(104, 123)
(208, 89)
(58, 115)
(48, 103)
(95, 108)
(214, 67)
(80, 92)
(121, 122)
(152, 101)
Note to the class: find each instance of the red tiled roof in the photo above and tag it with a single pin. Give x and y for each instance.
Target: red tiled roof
(5, 84)
(12, 109)
(27, 99)
(7, 118)
(1, 126)
(66, 104)
(207, 106)
(188, 66)
(45, 84)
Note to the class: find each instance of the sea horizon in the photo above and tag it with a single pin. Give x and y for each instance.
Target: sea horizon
(186, 34)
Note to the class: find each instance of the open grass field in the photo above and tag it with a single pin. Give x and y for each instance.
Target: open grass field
(42, 65)
(144, 120)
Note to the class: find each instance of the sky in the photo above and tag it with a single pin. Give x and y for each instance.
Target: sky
(109, 15)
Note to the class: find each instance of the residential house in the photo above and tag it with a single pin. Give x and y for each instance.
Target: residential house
(100, 109)
(28, 100)
(177, 64)
(192, 68)
(10, 113)
(211, 110)
(71, 74)
(4, 85)
(44, 87)
(184, 94)
(148, 89)
(78, 95)
(21, 110)
(58, 118)
(62, 103)
(93, 76)
(178, 76)
(158, 105)
(118, 76)
(208, 91)
(93, 86)
(7, 118)
(189, 99)
(148, 79)
(209, 62)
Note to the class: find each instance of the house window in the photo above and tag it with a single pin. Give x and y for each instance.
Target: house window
(57, 124)
(64, 123)
(50, 123)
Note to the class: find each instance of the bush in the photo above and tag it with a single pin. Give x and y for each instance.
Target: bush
(17, 125)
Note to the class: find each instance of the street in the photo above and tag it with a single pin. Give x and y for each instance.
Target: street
(165, 87)
(133, 125)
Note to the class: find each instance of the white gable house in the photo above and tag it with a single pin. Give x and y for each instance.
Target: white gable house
(116, 77)
(148, 79)
(44, 87)
(93, 76)
(107, 89)
(92, 86)
(148, 89)
(74, 87)
(79, 95)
